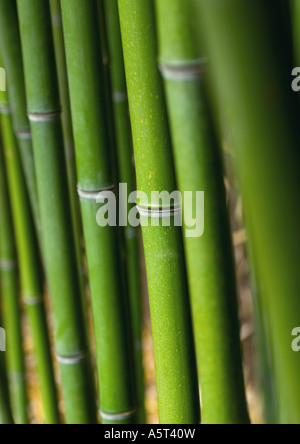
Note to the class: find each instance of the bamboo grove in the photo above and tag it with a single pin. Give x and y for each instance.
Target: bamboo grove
(98, 94)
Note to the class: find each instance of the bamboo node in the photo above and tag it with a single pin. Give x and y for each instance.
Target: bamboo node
(32, 300)
(93, 195)
(44, 117)
(16, 376)
(120, 97)
(187, 71)
(5, 109)
(71, 360)
(23, 134)
(159, 212)
(8, 265)
(117, 416)
(56, 19)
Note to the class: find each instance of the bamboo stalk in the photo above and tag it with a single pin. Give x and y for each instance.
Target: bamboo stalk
(31, 276)
(9, 285)
(127, 175)
(60, 56)
(255, 86)
(107, 88)
(176, 376)
(5, 411)
(209, 256)
(60, 256)
(95, 174)
(12, 59)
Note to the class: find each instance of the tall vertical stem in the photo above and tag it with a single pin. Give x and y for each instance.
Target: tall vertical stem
(249, 48)
(5, 411)
(60, 55)
(176, 376)
(9, 286)
(127, 175)
(12, 58)
(96, 183)
(31, 276)
(209, 254)
(58, 240)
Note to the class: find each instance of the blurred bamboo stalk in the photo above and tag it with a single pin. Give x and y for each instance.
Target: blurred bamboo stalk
(176, 376)
(249, 48)
(12, 58)
(5, 411)
(30, 270)
(11, 307)
(127, 175)
(60, 55)
(209, 256)
(96, 184)
(58, 239)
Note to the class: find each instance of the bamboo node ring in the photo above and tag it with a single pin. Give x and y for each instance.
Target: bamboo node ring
(159, 212)
(71, 360)
(120, 97)
(7, 265)
(31, 300)
(16, 376)
(44, 117)
(117, 416)
(188, 71)
(5, 109)
(23, 134)
(93, 195)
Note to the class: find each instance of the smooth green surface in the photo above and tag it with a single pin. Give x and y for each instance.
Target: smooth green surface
(176, 377)
(9, 285)
(249, 51)
(60, 56)
(110, 315)
(60, 255)
(12, 58)
(209, 257)
(127, 175)
(95, 173)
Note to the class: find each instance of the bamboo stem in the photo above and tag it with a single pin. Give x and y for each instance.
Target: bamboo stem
(31, 276)
(209, 256)
(127, 175)
(176, 376)
(60, 255)
(12, 59)
(9, 285)
(60, 56)
(255, 87)
(5, 411)
(96, 176)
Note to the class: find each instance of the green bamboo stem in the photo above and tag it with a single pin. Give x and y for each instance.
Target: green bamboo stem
(60, 56)
(12, 59)
(255, 86)
(95, 174)
(60, 255)
(5, 410)
(9, 285)
(127, 175)
(31, 276)
(107, 87)
(209, 256)
(176, 376)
